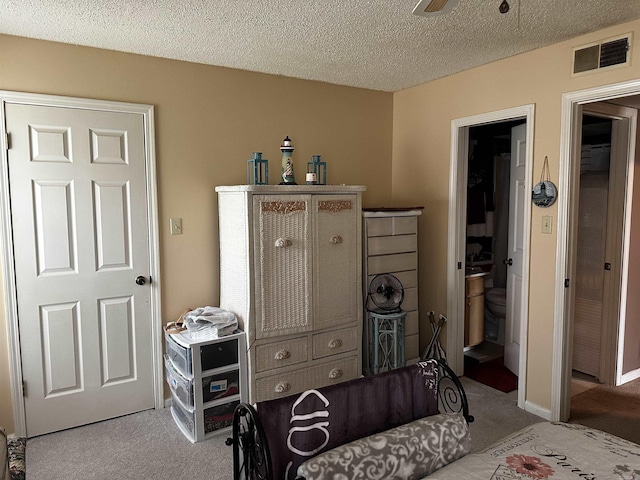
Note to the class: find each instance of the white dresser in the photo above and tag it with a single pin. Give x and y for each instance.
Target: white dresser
(391, 246)
(290, 269)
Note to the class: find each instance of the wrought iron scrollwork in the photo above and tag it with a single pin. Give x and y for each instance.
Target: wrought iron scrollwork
(451, 395)
(251, 457)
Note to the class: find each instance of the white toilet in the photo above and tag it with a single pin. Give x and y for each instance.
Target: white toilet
(495, 312)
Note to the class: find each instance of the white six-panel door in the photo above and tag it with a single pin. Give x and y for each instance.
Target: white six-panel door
(80, 232)
(518, 202)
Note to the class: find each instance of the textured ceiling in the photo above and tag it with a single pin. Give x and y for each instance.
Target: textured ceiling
(372, 44)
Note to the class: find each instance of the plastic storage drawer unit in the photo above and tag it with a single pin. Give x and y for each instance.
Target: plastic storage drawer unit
(207, 379)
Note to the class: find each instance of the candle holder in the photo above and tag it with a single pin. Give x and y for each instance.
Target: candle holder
(319, 168)
(257, 170)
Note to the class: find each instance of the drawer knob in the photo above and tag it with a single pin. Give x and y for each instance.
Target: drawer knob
(335, 343)
(283, 242)
(282, 355)
(336, 239)
(282, 387)
(335, 373)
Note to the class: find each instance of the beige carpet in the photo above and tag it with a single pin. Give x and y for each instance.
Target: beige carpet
(612, 409)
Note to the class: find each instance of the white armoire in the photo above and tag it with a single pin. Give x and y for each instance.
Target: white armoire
(290, 269)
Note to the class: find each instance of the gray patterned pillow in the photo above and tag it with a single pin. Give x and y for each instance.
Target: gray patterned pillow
(407, 452)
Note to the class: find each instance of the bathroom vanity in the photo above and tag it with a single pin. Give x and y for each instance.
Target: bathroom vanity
(474, 309)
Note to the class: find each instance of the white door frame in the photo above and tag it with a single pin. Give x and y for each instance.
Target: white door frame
(8, 267)
(457, 233)
(562, 337)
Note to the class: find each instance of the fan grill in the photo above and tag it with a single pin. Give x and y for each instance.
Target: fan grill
(385, 294)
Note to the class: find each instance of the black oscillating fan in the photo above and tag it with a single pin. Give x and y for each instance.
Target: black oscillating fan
(385, 294)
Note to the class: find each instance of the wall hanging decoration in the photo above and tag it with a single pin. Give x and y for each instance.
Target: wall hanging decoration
(544, 194)
(258, 170)
(288, 177)
(319, 168)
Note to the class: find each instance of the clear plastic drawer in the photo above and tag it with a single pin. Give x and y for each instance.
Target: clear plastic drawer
(181, 387)
(180, 356)
(183, 416)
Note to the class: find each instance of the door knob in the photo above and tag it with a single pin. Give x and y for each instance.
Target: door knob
(140, 280)
(509, 261)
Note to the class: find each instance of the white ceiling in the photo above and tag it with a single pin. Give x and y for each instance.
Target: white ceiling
(376, 44)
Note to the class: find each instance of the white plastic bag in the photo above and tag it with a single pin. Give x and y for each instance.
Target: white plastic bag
(210, 322)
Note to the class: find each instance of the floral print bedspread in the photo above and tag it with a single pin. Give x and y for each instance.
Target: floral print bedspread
(550, 450)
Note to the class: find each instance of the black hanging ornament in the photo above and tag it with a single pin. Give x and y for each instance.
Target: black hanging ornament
(504, 6)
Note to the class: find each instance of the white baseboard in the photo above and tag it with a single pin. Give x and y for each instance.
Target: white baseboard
(537, 410)
(167, 402)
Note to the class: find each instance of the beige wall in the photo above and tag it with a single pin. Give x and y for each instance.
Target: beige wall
(421, 151)
(209, 120)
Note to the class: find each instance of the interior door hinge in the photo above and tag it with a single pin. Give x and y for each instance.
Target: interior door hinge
(24, 388)
(566, 283)
(7, 137)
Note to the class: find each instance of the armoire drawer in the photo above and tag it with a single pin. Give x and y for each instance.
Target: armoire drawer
(296, 381)
(334, 342)
(280, 354)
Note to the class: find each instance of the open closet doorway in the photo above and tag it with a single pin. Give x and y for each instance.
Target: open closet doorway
(493, 258)
(601, 307)
(618, 267)
(489, 243)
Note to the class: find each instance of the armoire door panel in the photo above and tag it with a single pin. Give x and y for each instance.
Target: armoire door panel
(335, 260)
(283, 265)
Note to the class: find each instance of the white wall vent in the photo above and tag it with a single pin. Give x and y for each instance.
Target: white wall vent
(606, 54)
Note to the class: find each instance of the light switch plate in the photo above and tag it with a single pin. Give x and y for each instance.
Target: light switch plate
(546, 224)
(176, 226)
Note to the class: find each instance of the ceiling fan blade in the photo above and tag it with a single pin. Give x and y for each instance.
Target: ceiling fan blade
(429, 8)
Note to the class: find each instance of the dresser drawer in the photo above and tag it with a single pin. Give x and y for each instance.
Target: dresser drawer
(334, 372)
(377, 227)
(335, 341)
(281, 354)
(393, 244)
(296, 381)
(392, 263)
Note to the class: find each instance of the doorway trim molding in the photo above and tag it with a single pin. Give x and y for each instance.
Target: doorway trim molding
(457, 232)
(6, 250)
(562, 348)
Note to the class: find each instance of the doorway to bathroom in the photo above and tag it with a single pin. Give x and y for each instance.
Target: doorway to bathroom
(480, 146)
(489, 258)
